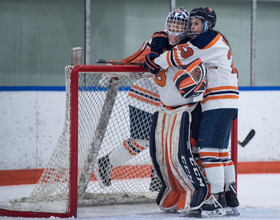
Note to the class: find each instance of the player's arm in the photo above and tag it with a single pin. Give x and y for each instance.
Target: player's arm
(159, 44)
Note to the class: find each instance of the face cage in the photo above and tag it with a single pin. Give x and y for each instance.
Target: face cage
(204, 26)
(175, 35)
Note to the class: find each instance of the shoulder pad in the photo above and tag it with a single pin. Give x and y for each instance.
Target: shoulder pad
(205, 40)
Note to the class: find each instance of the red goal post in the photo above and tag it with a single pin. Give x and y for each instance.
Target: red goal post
(68, 178)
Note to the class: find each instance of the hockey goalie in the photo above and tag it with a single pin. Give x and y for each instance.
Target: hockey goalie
(182, 185)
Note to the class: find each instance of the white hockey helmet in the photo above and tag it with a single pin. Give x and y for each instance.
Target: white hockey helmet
(177, 25)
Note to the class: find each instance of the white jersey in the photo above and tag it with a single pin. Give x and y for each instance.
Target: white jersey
(212, 49)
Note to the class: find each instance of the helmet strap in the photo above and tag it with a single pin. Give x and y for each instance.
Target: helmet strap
(205, 26)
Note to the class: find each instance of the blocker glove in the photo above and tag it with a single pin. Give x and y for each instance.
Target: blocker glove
(159, 42)
(149, 65)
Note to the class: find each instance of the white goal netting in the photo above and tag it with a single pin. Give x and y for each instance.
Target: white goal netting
(107, 112)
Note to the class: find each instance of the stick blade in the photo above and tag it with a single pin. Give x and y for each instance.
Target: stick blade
(100, 61)
(248, 138)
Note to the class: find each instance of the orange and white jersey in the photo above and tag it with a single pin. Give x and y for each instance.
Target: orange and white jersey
(212, 49)
(170, 97)
(160, 93)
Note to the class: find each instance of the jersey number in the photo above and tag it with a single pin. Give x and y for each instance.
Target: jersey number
(160, 78)
(185, 50)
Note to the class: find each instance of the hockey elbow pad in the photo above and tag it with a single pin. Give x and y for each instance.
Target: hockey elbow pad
(149, 65)
(159, 42)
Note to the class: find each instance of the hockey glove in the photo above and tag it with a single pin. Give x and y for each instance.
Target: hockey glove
(149, 65)
(191, 80)
(159, 42)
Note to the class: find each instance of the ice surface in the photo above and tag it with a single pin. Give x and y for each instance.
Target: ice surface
(258, 194)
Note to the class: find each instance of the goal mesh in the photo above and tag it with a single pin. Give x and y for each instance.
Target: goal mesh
(99, 115)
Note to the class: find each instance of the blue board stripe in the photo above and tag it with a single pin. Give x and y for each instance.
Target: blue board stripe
(123, 88)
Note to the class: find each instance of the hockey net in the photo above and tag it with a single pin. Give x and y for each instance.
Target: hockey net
(100, 107)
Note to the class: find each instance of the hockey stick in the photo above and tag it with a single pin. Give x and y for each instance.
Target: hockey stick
(120, 63)
(248, 138)
(116, 63)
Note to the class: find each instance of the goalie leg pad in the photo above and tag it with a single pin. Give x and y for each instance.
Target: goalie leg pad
(168, 196)
(153, 157)
(187, 161)
(171, 152)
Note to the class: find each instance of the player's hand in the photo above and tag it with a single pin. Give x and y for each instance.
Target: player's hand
(149, 65)
(159, 42)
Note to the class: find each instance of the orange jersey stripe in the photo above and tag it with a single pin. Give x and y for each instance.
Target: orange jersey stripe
(172, 108)
(145, 91)
(177, 60)
(168, 59)
(222, 88)
(219, 97)
(143, 99)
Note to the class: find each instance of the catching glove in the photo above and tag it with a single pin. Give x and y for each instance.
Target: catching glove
(149, 65)
(191, 81)
(159, 42)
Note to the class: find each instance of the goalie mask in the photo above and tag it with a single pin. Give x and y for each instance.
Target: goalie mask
(206, 15)
(177, 25)
(191, 81)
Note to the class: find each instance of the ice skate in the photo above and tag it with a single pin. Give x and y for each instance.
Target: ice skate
(232, 201)
(214, 206)
(104, 175)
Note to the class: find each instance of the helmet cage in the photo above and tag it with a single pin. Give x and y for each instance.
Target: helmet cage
(177, 25)
(206, 25)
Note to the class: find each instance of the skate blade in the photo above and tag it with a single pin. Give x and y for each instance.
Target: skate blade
(232, 211)
(172, 209)
(98, 178)
(193, 214)
(213, 213)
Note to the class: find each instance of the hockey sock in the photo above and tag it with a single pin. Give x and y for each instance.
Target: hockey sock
(127, 150)
(214, 168)
(229, 170)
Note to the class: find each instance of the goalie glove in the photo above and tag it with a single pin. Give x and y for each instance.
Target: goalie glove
(191, 81)
(149, 65)
(159, 42)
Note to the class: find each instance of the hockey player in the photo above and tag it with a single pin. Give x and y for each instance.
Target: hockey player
(219, 109)
(180, 88)
(219, 105)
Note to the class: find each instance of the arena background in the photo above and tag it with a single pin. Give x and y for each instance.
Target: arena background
(36, 40)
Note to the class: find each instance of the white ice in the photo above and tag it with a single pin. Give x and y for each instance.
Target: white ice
(258, 194)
